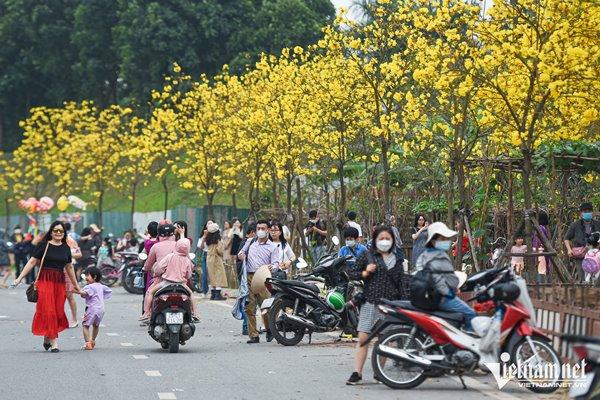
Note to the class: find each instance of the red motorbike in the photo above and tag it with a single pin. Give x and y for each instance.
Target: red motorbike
(415, 344)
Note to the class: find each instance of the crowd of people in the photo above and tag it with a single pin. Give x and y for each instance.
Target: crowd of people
(377, 259)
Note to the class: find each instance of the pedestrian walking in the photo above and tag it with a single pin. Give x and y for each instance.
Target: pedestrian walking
(94, 293)
(577, 236)
(419, 237)
(381, 269)
(258, 252)
(236, 241)
(54, 256)
(217, 278)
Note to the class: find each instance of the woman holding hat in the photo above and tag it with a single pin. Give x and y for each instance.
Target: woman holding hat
(436, 258)
(214, 261)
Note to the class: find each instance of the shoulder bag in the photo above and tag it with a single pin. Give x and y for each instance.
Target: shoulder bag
(32, 292)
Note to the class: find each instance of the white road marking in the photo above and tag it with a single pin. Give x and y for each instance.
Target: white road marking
(127, 344)
(140, 357)
(3, 316)
(112, 334)
(167, 396)
(152, 373)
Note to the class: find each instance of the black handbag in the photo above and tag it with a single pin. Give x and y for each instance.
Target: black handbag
(32, 292)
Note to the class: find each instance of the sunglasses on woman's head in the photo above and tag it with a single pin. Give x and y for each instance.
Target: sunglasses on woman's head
(57, 231)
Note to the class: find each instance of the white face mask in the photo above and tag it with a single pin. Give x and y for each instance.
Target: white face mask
(350, 243)
(384, 245)
(313, 221)
(261, 234)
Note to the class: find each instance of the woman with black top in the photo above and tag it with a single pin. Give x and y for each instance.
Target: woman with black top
(50, 318)
(382, 271)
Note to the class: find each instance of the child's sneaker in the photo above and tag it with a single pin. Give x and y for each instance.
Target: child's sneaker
(88, 346)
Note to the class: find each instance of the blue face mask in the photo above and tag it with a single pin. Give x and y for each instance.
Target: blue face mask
(443, 245)
(587, 216)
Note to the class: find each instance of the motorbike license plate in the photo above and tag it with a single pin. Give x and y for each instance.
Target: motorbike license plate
(174, 318)
(267, 303)
(581, 387)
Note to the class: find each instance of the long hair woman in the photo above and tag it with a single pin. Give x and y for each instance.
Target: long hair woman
(381, 269)
(50, 319)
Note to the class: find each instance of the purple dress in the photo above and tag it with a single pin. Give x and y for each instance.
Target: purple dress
(94, 303)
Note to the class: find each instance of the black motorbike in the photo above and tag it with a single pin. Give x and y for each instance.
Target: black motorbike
(297, 307)
(586, 348)
(171, 321)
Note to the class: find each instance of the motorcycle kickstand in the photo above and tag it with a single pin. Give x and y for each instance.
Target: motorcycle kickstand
(463, 382)
(310, 337)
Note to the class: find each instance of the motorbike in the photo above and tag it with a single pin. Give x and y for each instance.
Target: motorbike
(298, 308)
(414, 343)
(112, 272)
(171, 321)
(586, 348)
(132, 275)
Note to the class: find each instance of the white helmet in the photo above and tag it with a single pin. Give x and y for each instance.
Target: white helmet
(439, 228)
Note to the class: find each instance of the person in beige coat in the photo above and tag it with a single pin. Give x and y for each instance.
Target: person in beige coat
(214, 261)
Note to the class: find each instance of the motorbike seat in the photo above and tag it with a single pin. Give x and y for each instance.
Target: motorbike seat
(172, 288)
(454, 318)
(310, 286)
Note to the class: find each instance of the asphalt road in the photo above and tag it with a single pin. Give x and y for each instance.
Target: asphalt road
(215, 364)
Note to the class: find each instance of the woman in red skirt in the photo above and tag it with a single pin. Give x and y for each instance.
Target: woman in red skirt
(50, 318)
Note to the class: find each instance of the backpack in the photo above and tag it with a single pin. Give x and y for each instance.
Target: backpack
(591, 262)
(422, 290)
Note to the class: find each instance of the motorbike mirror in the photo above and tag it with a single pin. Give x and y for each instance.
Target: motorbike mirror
(335, 240)
(301, 264)
(143, 256)
(192, 256)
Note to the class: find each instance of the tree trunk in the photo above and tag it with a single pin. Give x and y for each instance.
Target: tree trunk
(527, 169)
(166, 190)
(234, 205)
(288, 194)
(274, 188)
(7, 208)
(209, 204)
(387, 202)
(133, 198)
(100, 208)
(342, 209)
(450, 195)
(300, 222)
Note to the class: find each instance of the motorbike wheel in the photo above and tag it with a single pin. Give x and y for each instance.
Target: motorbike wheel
(278, 328)
(164, 345)
(108, 275)
(397, 374)
(173, 342)
(521, 355)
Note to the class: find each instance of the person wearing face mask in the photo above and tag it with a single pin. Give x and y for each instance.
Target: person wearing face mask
(258, 252)
(352, 247)
(381, 269)
(577, 236)
(436, 258)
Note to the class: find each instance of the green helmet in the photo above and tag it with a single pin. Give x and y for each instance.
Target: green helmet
(336, 300)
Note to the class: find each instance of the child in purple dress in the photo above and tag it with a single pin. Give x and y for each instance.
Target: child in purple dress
(94, 294)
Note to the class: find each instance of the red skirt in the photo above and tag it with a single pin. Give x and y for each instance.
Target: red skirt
(50, 318)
